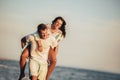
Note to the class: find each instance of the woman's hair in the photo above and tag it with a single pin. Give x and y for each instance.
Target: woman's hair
(62, 28)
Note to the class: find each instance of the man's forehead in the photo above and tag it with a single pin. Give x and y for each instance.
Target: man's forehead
(44, 30)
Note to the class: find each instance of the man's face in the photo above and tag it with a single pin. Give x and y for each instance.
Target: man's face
(44, 34)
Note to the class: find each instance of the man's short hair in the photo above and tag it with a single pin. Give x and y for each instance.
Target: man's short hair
(41, 27)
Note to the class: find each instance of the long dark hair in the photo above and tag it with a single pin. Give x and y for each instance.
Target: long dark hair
(62, 28)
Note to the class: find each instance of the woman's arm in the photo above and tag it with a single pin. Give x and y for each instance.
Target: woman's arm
(40, 48)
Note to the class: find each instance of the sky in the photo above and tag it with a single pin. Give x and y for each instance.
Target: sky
(93, 30)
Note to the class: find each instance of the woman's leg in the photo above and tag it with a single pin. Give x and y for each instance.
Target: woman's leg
(53, 60)
(34, 78)
(23, 57)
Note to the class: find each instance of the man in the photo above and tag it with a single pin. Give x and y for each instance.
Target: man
(40, 43)
(57, 30)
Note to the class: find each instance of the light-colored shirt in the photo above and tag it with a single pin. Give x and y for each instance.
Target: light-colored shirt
(58, 36)
(41, 57)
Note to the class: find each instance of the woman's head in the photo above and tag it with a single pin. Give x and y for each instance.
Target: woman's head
(59, 23)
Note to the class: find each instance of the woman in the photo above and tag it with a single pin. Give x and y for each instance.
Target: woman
(57, 29)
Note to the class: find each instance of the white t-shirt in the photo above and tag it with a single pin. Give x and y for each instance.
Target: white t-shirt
(58, 36)
(41, 57)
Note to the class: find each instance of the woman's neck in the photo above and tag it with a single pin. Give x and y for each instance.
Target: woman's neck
(53, 29)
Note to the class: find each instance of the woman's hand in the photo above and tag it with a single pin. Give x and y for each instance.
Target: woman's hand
(40, 48)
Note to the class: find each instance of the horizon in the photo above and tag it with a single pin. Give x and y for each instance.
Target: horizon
(11, 68)
(63, 66)
(93, 30)
(96, 70)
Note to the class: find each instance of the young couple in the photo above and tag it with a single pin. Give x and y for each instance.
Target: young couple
(40, 47)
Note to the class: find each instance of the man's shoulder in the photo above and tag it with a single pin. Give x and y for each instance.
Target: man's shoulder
(31, 34)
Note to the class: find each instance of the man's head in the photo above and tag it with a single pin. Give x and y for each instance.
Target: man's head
(42, 31)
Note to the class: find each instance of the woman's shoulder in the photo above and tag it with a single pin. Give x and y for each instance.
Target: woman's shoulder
(49, 26)
(59, 31)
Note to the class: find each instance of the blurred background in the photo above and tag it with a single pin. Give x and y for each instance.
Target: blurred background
(93, 30)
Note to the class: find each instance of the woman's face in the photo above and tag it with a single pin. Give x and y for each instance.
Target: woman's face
(58, 24)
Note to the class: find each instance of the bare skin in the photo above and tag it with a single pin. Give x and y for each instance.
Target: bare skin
(53, 61)
(23, 57)
(52, 53)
